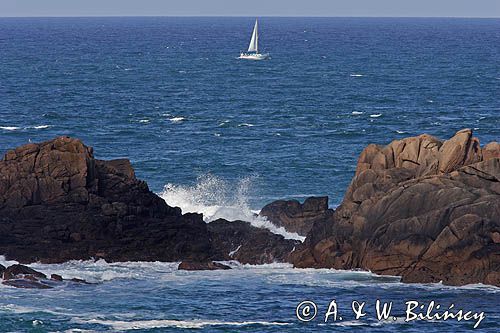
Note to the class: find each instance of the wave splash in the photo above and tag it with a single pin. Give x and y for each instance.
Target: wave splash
(216, 198)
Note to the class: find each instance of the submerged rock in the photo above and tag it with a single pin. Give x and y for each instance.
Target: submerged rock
(21, 276)
(297, 217)
(201, 266)
(421, 208)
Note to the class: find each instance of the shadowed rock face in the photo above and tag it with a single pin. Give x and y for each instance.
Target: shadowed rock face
(58, 203)
(239, 240)
(424, 209)
(297, 217)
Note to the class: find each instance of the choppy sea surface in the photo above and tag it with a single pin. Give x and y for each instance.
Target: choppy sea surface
(222, 136)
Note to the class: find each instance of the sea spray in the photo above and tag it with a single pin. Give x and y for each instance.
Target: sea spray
(216, 198)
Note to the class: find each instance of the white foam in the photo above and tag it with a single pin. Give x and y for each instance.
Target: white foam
(356, 75)
(10, 128)
(232, 253)
(177, 119)
(400, 132)
(215, 198)
(144, 121)
(357, 112)
(41, 126)
(164, 323)
(376, 115)
(246, 125)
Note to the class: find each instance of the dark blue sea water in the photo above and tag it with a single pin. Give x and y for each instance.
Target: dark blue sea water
(227, 136)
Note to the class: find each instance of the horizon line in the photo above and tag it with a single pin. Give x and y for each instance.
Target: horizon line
(247, 16)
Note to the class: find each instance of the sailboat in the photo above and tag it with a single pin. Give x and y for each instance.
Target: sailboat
(253, 48)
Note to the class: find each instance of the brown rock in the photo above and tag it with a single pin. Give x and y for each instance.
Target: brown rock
(57, 203)
(297, 217)
(56, 277)
(20, 271)
(202, 266)
(420, 208)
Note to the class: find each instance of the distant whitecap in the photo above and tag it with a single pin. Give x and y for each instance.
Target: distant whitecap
(356, 75)
(376, 115)
(400, 132)
(177, 119)
(10, 128)
(41, 126)
(144, 121)
(357, 112)
(246, 125)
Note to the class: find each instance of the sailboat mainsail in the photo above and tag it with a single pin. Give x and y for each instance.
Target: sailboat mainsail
(254, 42)
(253, 48)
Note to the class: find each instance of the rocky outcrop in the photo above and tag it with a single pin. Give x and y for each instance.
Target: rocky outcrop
(239, 240)
(421, 208)
(21, 276)
(201, 266)
(57, 202)
(297, 217)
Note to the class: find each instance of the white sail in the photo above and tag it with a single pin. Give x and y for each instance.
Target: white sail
(254, 42)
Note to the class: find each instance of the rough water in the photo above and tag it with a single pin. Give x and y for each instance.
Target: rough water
(222, 136)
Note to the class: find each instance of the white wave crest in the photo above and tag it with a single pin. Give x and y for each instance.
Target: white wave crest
(10, 128)
(357, 112)
(376, 115)
(356, 75)
(177, 119)
(164, 323)
(216, 198)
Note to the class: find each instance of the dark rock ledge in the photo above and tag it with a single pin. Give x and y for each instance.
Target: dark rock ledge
(21, 276)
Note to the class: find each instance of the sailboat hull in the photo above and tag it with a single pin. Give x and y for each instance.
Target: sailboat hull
(254, 56)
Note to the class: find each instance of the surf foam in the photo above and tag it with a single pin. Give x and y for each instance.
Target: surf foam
(216, 198)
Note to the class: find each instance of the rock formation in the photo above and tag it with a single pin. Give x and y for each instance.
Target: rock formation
(21, 276)
(201, 266)
(297, 217)
(57, 203)
(421, 208)
(239, 240)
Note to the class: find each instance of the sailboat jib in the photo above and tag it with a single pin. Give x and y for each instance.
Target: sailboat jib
(253, 47)
(254, 42)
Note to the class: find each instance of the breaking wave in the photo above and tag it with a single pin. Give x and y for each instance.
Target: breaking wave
(216, 198)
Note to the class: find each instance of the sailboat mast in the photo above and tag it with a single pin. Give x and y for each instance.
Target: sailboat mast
(256, 36)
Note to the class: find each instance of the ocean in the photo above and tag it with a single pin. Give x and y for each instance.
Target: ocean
(221, 136)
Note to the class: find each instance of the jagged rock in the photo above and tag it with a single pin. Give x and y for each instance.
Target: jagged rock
(57, 202)
(239, 240)
(19, 271)
(297, 217)
(21, 276)
(421, 208)
(201, 266)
